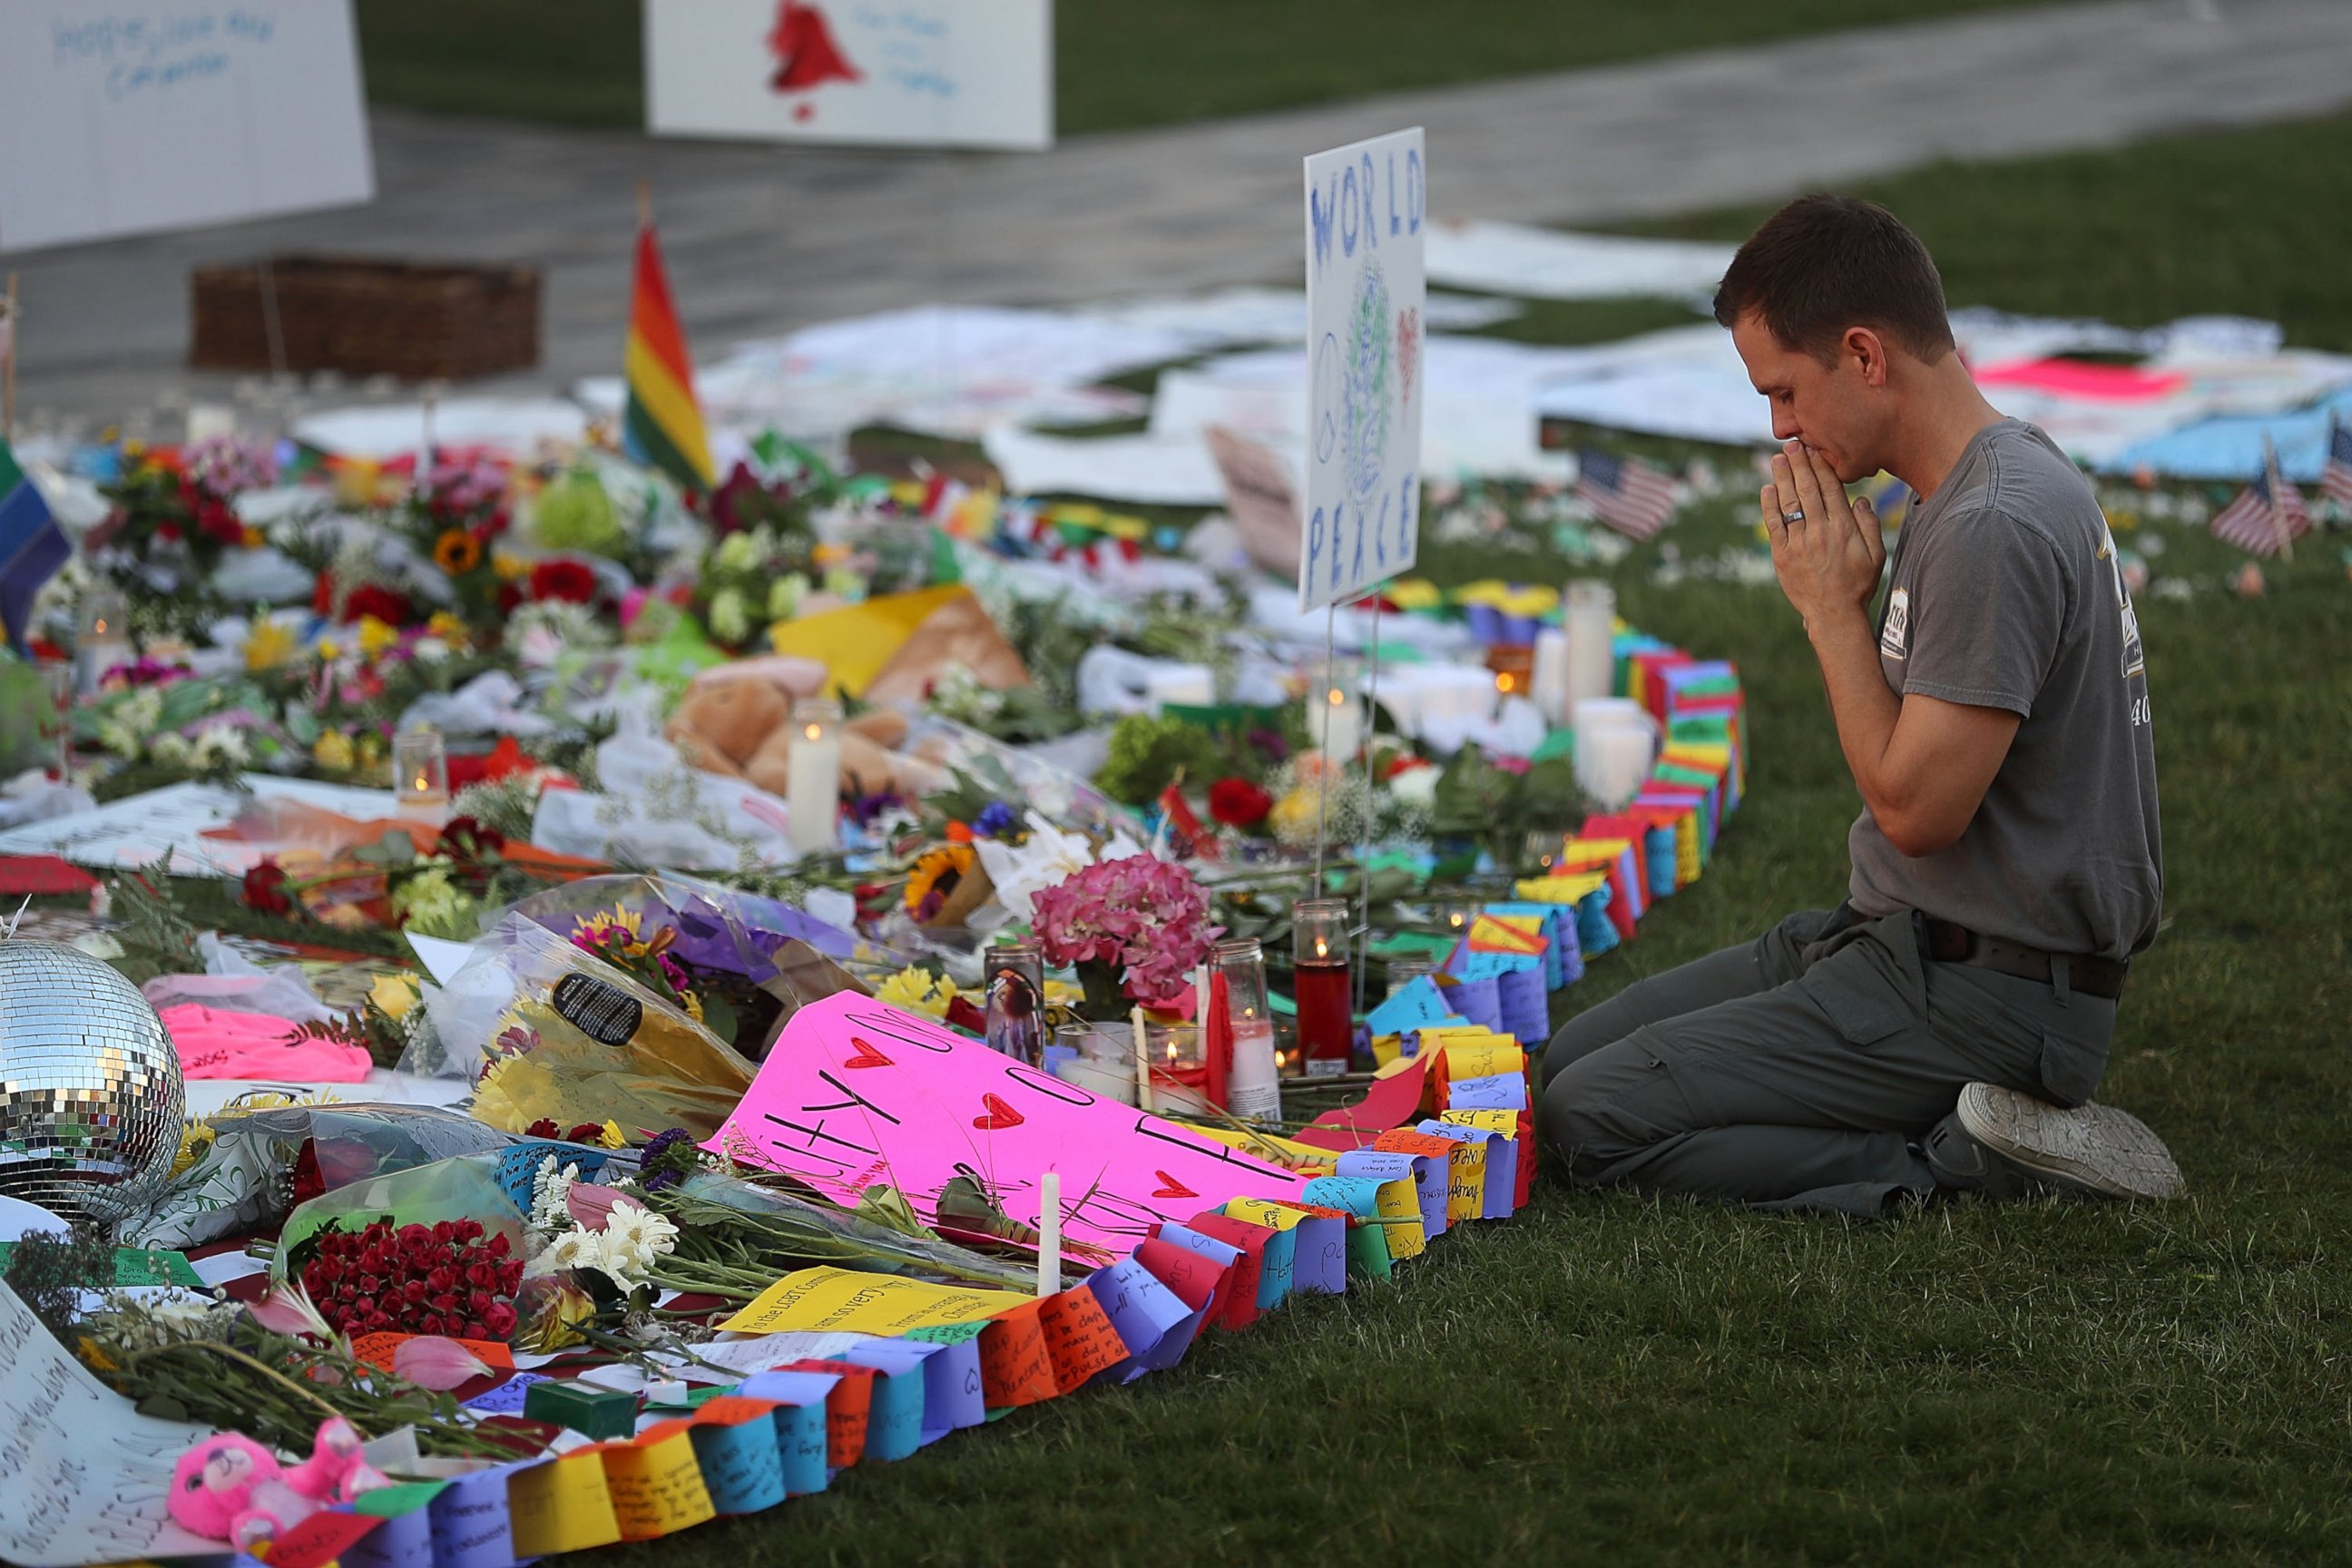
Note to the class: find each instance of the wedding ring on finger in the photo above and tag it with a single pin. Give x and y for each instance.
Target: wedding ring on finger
(1795, 514)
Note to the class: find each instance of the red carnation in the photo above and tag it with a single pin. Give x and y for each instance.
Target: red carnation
(1238, 803)
(586, 1132)
(566, 580)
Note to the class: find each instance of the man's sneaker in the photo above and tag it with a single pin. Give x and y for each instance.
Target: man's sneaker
(2093, 1149)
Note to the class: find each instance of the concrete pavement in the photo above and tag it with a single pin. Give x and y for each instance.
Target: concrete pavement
(760, 239)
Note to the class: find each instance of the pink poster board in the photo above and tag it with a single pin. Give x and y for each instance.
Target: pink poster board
(856, 1093)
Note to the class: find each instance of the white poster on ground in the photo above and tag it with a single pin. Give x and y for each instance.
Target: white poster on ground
(1366, 210)
(922, 73)
(129, 116)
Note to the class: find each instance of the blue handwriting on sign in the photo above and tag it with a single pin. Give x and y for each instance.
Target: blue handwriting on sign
(1348, 206)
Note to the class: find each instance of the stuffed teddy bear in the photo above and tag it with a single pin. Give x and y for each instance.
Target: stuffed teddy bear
(229, 1488)
(735, 720)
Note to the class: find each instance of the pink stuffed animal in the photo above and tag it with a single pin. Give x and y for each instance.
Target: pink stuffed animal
(229, 1488)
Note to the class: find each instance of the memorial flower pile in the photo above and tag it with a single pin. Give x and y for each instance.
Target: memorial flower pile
(448, 1278)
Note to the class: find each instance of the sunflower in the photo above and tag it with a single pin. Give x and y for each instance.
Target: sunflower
(935, 876)
(456, 552)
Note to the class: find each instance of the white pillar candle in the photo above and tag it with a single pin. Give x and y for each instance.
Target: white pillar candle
(1612, 767)
(1049, 1233)
(813, 775)
(1551, 678)
(103, 640)
(1142, 1064)
(1587, 619)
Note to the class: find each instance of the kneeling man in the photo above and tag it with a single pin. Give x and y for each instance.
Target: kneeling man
(1945, 1026)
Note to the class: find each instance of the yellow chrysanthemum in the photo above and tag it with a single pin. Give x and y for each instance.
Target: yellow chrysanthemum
(918, 991)
(271, 645)
(376, 636)
(449, 629)
(1294, 813)
(332, 752)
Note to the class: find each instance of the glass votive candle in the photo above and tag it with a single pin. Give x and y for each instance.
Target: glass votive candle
(1098, 1061)
(102, 639)
(1321, 955)
(1012, 978)
(1403, 972)
(420, 776)
(1180, 1068)
(1456, 916)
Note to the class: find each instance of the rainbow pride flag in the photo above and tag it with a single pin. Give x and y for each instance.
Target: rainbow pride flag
(662, 425)
(32, 548)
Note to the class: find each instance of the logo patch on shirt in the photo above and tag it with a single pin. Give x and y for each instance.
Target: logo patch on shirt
(1897, 631)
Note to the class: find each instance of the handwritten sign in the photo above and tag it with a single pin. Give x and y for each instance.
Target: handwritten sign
(856, 1093)
(83, 1475)
(1367, 207)
(180, 113)
(828, 1298)
(935, 73)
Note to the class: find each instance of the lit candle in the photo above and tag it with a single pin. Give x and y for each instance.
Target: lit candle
(1252, 1084)
(104, 640)
(1588, 618)
(1319, 964)
(420, 776)
(1339, 730)
(1049, 1233)
(813, 775)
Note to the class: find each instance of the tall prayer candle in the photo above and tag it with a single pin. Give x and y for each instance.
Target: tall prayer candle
(1588, 616)
(1253, 1087)
(1319, 955)
(103, 640)
(813, 775)
(1049, 1233)
(1335, 713)
(1014, 982)
(1142, 1064)
(1552, 676)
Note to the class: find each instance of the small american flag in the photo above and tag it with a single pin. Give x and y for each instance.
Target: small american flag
(2335, 478)
(2269, 516)
(1631, 497)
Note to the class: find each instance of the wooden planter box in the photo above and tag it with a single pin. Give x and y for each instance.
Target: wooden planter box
(417, 321)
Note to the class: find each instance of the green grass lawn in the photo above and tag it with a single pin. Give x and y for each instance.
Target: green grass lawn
(1608, 1378)
(1117, 63)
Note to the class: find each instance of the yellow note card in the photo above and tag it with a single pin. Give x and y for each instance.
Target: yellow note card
(1484, 1059)
(656, 1486)
(1399, 1207)
(1495, 933)
(1265, 1212)
(1505, 1122)
(1466, 1183)
(1563, 889)
(561, 1506)
(1266, 1146)
(820, 1299)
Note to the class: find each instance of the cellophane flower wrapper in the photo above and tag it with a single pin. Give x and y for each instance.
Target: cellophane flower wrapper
(547, 1032)
(469, 1187)
(250, 1175)
(719, 930)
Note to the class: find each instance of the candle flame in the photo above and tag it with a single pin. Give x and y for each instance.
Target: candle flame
(422, 783)
(1336, 697)
(98, 625)
(1506, 681)
(1322, 948)
(814, 732)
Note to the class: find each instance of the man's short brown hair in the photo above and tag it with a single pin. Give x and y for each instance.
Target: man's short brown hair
(1822, 264)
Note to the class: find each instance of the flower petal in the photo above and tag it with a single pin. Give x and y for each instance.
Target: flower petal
(437, 1365)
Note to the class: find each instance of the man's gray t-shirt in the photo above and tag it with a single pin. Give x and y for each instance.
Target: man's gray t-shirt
(2006, 593)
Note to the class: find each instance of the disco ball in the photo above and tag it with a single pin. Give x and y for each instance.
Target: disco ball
(91, 1101)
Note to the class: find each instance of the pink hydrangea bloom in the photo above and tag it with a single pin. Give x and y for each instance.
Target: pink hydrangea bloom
(1145, 917)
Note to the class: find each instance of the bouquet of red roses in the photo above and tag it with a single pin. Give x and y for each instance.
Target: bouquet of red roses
(442, 1278)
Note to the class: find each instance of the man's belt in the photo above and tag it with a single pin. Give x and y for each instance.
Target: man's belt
(1949, 944)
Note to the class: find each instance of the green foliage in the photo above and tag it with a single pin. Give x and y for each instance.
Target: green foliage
(156, 936)
(48, 1270)
(1148, 752)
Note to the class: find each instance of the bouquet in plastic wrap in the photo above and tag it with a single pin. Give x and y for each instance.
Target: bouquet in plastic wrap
(554, 1037)
(247, 1169)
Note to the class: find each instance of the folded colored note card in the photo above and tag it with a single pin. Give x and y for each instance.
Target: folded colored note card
(737, 1446)
(1409, 1007)
(802, 1443)
(829, 1297)
(1318, 1261)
